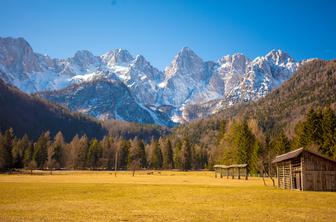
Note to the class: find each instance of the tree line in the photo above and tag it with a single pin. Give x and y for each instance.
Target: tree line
(234, 142)
(108, 153)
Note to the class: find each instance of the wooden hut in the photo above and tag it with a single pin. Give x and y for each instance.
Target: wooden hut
(305, 170)
(232, 171)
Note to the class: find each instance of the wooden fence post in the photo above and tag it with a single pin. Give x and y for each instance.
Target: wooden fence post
(233, 171)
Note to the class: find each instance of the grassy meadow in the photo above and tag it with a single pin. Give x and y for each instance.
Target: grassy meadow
(163, 196)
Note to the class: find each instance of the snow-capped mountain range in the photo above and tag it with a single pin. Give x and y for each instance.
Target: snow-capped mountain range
(120, 86)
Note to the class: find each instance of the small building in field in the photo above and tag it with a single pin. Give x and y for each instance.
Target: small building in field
(232, 171)
(305, 170)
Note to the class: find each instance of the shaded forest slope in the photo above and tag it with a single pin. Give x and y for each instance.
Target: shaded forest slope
(32, 115)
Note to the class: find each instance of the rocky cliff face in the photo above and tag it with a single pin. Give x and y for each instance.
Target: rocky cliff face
(188, 88)
(105, 99)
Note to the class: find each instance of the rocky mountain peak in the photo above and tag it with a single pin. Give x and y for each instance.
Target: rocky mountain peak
(120, 57)
(84, 58)
(279, 57)
(83, 54)
(187, 55)
(185, 62)
(140, 61)
(235, 58)
(16, 55)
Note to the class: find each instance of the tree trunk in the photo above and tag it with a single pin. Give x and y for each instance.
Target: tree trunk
(116, 164)
(262, 174)
(271, 178)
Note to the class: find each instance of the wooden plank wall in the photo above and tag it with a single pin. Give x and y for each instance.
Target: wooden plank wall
(319, 174)
(284, 175)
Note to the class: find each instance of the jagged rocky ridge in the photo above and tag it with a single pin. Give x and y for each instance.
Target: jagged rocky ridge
(106, 99)
(119, 86)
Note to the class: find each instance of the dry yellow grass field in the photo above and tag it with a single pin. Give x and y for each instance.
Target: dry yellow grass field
(164, 196)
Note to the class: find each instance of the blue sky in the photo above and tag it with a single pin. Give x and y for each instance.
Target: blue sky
(158, 29)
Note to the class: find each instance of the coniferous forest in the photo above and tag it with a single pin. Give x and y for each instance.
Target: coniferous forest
(236, 141)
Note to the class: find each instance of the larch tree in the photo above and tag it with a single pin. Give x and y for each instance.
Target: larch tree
(73, 159)
(83, 152)
(137, 153)
(55, 152)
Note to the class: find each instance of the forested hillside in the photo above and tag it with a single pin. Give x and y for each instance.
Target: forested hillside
(32, 116)
(312, 86)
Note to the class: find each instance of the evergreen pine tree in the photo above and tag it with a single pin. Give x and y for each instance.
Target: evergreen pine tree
(156, 155)
(281, 144)
(178, 154)
(40, 155)
(222, 129)
(186, 156)
(108, 155)
(94, 154)
(8, 141)
(167, 154)
(3, 155)
(314, 127)
(309, 132)
(142, 154)
(256, 151)
(123, 150)
(244, 141)
(18, 151)
(329, 133)
(28, 155)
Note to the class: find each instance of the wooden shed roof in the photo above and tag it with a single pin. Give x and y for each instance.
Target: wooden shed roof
(231, 166)
(296, 153)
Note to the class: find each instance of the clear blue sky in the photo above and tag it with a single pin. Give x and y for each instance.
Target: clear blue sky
(158, 29)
